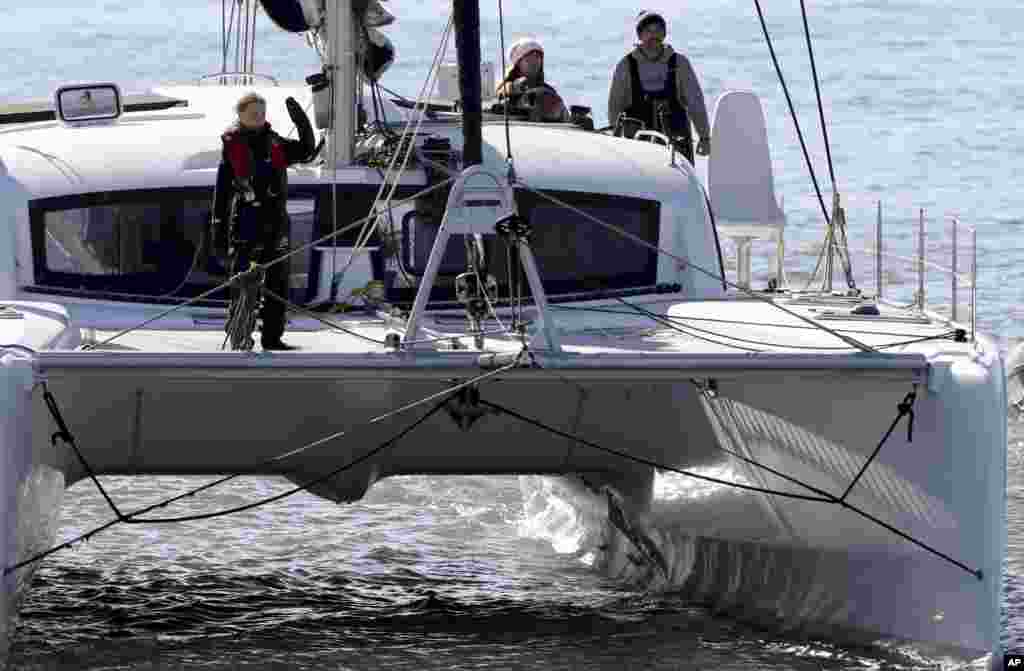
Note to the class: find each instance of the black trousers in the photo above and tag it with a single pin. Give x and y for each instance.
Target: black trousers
(266, 247)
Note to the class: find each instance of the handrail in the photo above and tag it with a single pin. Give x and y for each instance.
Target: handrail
(235, 78)
(964, 276)
(965, 279)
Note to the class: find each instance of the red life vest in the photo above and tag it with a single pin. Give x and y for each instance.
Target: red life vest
(236, 147)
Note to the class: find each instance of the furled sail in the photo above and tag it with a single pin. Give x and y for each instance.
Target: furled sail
(294, 16)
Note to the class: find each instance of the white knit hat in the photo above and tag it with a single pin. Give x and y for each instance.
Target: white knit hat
(520, 48)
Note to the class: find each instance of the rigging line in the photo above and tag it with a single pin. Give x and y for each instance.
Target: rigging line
(302, 487)
(65, 434)
(457, 336)
(429, 86)
(131, 518)
(418, 115)
(718, 243)
(684, 262)
(687, 263)
(226, 46)
(238, 35)
(918, 336)
(902, 408)
(906, 407)
(647, 462)
(462, 385)
(244, 22)
(827, 498)
(817, 94)
(397, 95)
(792, 112)
(731, 424)
(333, 137)
(680, 329)
(89, 534)
(977, 573)
(309, 313)
(508, 136)
(252, 38)
(481, 287)
(662, 319)
(223, 34)
(821, 256)
(272, 262)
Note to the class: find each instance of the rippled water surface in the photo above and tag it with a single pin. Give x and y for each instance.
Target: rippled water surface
(923, 100)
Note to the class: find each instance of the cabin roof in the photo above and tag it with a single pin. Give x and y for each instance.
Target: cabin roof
(180, 147)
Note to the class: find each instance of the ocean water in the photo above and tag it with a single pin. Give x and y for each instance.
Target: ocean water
(922, 100)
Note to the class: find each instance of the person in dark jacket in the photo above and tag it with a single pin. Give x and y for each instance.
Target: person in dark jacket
(249, 209)
(657, 86)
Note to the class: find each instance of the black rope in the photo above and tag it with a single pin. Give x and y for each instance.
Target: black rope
(238, 40)
(297, 308)
(305, 485)
(252, 38)
(817, 94)
(329, 236)
(945, 335)
(905, 407)
(103, 527)
(224, 35)
(689, 264)
(508, 136)
(63, 433)
(666, 320)
(792, 112)
(445, 395)
(132, 518)
(648, 462)
(718, 244)
(825, 497)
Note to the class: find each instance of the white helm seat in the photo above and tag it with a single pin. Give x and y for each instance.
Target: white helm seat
(740, 180)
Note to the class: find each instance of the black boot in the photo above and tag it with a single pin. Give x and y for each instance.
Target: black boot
(278, 345)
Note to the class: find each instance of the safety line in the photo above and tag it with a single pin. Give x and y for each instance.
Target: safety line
(824, 498)
(264, 266)
(684, 262)
(687, 263)
(131, 517)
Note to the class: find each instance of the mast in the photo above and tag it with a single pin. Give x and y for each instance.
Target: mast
(341, 66)
(467, 46)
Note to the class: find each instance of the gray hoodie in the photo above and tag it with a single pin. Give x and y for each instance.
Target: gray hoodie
(620, 96)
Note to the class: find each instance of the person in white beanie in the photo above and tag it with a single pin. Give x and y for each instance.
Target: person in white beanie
(657, 86)
(523, 86)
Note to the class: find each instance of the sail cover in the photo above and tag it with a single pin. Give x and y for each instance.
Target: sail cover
(294, 16)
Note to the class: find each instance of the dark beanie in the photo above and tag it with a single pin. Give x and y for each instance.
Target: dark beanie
(647, 18)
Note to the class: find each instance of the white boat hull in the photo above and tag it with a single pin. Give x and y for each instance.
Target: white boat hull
(812, 564)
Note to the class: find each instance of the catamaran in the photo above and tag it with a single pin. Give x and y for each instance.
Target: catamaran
(475, 293)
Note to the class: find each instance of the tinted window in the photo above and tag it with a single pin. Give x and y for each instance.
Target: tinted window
(572, 249)
(573, 253)
(147, 244)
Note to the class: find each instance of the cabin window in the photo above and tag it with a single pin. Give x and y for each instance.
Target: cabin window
(576, 254)
(145, 244)
(122, 239)
(573, 253)
(150, 246)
